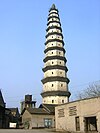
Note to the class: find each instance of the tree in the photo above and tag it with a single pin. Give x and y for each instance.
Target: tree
(92, 90)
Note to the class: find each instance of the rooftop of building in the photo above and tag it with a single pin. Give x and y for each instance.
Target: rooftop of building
(38, 111)
(49, 107)
(2, 103)
(80, 100)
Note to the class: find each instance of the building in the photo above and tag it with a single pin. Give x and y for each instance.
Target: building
(82, 115)
(2, 111)
(28, 102)
(56, 110)
(55, 81)
(14, 116)
(8, 115)
(42, 117)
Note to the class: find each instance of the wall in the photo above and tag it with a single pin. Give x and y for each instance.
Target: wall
(56, 99)
(38, 120)
(65, 114)
(26, 119)
(35, 120)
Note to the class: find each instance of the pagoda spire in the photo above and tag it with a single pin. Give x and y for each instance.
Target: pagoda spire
(53, 6)
(55, 81)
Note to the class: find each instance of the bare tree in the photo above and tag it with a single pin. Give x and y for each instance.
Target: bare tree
(92, 90)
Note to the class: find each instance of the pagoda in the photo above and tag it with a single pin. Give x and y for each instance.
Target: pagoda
(55, 81)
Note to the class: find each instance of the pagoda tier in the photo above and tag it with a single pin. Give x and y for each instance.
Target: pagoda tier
(55, 81)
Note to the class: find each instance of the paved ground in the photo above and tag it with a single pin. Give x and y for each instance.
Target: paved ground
(31, 131)
(27, 131)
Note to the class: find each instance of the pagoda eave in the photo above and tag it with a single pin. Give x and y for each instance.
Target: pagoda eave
(53, 27)
(53, 17)
(54, 58)
(53, 33)
(54, 40)
(54, 48)
(55, 78)
(56, 93)
(53, 21)
(55, 67)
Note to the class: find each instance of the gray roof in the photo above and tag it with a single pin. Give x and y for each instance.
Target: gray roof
(49, 107)
(2, 103)
(13, 109)
(37, 111)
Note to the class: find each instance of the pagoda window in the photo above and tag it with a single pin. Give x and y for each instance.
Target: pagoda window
(61, 85)
(52, 72)
(52, 62)
(52, 85)
(60, 72)
(62, 101)
(52, 101)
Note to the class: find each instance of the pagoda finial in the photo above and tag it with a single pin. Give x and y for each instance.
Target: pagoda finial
(53, 6)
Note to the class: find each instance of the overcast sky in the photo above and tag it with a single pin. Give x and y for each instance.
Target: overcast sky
(22, 38)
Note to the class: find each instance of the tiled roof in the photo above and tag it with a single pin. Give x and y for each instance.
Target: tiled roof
(13, 109)
(37, 111)
(49, 107)
(2, 103)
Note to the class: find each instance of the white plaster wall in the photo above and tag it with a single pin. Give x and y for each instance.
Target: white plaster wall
(54, 30)
(57, 99)
(55, 72)
(54, 19)
(55, 36)
(51, 44)
(54, 24)
(85, 108)
(54, 14)
(54, 62)
(54, 53)
(57, 85)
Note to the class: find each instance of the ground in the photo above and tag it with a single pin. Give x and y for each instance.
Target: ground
(24, 131)
(33, 131)
(27, 131)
